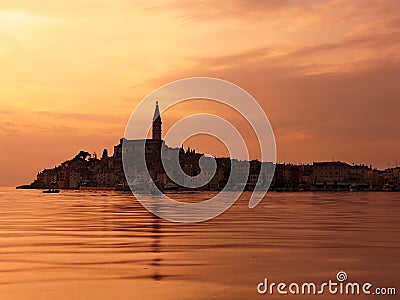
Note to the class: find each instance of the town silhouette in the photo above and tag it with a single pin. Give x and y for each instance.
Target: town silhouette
(87, 171)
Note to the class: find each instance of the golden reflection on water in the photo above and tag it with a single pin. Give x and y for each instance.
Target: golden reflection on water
(104, 245)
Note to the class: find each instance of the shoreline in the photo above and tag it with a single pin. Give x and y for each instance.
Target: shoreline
(183, 191)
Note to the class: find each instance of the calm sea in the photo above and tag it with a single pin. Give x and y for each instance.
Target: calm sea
(104, 245)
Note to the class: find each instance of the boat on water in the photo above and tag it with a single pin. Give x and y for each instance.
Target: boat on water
(388, 187)
(51, 191)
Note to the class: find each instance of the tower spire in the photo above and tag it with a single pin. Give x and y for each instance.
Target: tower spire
(157, 123)
(156, 112)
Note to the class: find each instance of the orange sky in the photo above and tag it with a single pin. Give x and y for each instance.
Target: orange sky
(326, 73)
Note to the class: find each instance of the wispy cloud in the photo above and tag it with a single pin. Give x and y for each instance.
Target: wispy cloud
(204, 10)
(8, 127)
(17, 19)
(82, 117)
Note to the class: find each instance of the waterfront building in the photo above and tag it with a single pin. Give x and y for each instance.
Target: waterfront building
(331, 172)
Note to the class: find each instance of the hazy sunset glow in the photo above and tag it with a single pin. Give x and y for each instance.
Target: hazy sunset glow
(326, 73)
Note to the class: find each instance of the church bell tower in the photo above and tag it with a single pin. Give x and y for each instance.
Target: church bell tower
(157, 124)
